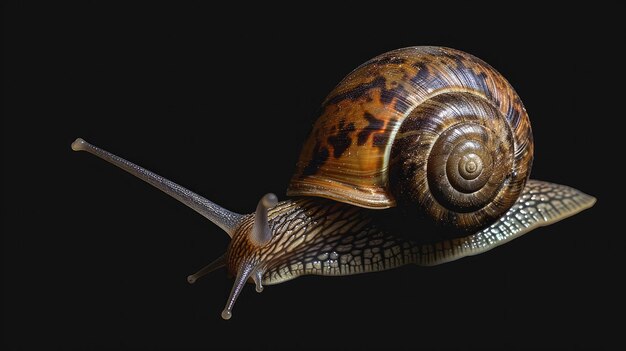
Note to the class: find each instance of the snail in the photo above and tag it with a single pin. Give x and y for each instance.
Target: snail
(432, 131)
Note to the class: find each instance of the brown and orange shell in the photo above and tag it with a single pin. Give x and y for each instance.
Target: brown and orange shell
(346, 157)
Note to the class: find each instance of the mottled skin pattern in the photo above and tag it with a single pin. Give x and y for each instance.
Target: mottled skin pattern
(322, 237)
(346, 156)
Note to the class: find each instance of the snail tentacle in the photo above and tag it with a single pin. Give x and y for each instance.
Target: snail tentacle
(217, 264)
(223, 218)
(261, 233)
(243, 274)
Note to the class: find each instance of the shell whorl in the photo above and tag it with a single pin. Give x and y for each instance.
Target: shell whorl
(455, 126)
(453, 160)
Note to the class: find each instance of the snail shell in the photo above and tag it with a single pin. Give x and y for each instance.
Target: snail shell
(431, 129)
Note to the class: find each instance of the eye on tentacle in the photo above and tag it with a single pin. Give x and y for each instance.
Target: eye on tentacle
(217, 264)
(242, 277)
(223, 218)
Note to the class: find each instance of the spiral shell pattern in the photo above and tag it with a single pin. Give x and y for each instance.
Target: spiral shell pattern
(452, 159)
(429, 128)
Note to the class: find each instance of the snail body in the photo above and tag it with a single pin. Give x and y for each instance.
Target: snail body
(433, 131)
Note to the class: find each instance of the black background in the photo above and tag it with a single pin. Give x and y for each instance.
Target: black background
(95, 258)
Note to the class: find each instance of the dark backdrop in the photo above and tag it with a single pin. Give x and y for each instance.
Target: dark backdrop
(94, 257)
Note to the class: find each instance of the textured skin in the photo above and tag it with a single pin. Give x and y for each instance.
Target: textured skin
(318, 236)
(346, 157)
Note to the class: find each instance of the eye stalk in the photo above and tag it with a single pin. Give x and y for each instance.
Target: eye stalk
(261, 233)
(229, 221)
(223, 218)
